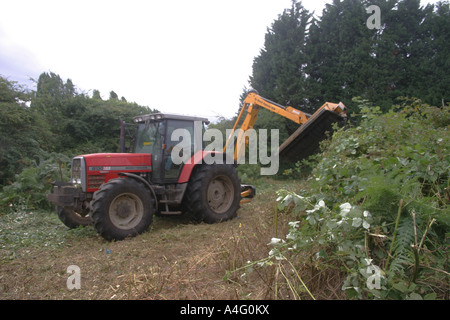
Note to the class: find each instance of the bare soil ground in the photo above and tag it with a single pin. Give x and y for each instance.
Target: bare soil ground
(175, 260)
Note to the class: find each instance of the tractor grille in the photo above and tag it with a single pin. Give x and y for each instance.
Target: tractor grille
(95, 181)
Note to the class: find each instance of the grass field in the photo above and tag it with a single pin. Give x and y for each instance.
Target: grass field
(176, 259)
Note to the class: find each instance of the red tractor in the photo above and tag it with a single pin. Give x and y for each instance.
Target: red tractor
(120, 192)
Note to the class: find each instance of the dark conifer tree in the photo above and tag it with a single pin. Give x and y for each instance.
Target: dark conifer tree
(278, 71)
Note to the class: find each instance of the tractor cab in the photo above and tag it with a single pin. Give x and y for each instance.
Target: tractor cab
(160, 134)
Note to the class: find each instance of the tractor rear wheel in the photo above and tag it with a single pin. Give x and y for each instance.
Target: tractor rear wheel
(122, 208)
(213, 193)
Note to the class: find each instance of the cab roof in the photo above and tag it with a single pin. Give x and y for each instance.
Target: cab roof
(162, 116)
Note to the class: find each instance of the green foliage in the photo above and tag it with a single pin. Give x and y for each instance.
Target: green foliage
(21, 129)
(77, 122)
(249, 173)
(307, 61)
(403, 58)
(404, 149)
(33, 183)
(24, 230)
(43, 129)
(377, 204)
(278, 70)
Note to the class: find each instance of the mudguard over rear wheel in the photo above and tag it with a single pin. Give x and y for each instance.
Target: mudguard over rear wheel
(213, 193)
(122, 208)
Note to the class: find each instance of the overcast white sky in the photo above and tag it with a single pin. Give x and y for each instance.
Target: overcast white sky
(187, 57)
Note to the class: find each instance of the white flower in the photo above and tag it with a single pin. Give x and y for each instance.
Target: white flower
(275, 241)
(345, 208)
(291, 236)
(318, 206)
(294, 224)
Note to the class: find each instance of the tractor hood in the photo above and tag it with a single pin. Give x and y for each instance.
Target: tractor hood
(92, 170)
(117, 161)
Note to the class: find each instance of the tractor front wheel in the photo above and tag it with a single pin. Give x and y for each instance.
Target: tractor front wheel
(122, 208)
(72, 218)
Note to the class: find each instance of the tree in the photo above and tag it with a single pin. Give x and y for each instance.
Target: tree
(279, 69)
(21, 130)
(407, 56)
(340, 64)
(78, 123)
(60, 124)
(434, 80)
(96, 95)
(69, 89)
(113, 96)
(401, 50)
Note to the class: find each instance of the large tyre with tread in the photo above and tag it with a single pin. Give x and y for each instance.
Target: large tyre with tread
(73, 219)
(213, 193)
(122, 208)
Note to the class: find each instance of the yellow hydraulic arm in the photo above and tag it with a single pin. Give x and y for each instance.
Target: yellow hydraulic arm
(252, 104)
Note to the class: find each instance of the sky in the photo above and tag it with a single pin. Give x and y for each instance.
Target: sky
(185, 57)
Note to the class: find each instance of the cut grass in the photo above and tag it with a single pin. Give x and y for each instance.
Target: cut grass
(176, 259)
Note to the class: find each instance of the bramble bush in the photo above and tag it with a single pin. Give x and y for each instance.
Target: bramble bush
(33, 183)
(375, 208)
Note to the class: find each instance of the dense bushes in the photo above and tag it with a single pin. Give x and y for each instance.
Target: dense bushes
(42, 130)
(33, 183)
(376, 207)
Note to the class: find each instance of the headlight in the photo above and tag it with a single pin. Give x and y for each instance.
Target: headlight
(78, 172)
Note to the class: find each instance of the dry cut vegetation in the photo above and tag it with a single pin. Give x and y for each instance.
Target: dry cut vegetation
(174, 260)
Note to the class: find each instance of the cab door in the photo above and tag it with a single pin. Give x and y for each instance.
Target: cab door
(171, 168)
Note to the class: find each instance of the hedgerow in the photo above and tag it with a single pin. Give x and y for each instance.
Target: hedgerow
(375, 208)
